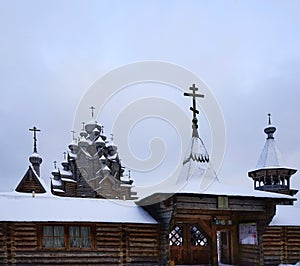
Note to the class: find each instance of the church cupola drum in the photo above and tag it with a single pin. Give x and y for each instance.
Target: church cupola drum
(92, 167)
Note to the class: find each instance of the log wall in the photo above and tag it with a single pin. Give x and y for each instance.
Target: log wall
(113, 244)
(281, 245)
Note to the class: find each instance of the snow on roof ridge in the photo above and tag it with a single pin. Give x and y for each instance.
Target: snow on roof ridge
(61, 209)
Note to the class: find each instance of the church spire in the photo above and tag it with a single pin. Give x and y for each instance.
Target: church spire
(35, 158)
(197, 173)
(271, 173)
(270, 129)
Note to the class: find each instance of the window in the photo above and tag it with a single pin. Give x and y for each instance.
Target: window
(176, 236)
(66, 236)
(80, 236)
(53, 236)
(197, 237)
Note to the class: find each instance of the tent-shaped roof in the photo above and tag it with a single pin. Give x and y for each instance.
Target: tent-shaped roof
(270, 156)
(31, 181)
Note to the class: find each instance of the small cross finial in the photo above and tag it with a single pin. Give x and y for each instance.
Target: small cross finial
(92, 109)
(129, 171)
(269, 115)
(102, 129)
(82, 125)
(65, 155)
(34, 129)
(55, 162)
(73, 134)
(111, 137)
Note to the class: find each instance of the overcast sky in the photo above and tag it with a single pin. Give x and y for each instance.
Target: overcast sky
(247, 52)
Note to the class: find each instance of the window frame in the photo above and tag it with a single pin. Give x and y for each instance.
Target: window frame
(67, 236)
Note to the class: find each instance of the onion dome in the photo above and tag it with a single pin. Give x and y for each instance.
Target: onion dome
(35, 158)
(36, 161)
(102, 159)
(83, 133)
(73, 146)
(105, 170)
(96, 132)
(56, 173)
(83, 142)
(91, 125)
(65, 165)
(112, 148)
(100, 142)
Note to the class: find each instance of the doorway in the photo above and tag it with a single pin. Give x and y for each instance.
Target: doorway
(224, 247)
(189, 244)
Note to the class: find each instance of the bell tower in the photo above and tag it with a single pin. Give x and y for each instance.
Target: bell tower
(271, 174)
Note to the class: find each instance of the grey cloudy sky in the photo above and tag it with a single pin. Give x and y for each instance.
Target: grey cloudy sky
(247, 52)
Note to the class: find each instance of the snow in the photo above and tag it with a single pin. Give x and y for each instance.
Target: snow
(40, 179)
(286, 215)
(66, 173)
(68, 180)
(19, 207)
(58, 190)
(297, 264)
(270, 156)
(56, 182)
(35, 155)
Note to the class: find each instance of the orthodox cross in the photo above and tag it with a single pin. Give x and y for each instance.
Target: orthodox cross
(55, 162)
(194, 108)
(92, 108)
(83, 125)
(34, 129)
(269, 115)
(73, 134)
(65, 155)
(111, 137)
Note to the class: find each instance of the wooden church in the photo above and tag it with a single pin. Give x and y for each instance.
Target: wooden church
(91, 214)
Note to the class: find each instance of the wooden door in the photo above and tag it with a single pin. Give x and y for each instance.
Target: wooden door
(189, 245)
(225, 247)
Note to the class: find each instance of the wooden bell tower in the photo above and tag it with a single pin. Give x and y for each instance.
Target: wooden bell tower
(271, 174)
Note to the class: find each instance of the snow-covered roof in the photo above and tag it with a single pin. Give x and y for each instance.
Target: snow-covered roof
(23, 207)
(37, 177)
(286, 215)
(197, 176)
(270, 156)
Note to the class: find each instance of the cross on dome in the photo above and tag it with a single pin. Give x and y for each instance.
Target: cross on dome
(92, 109)
(73, 134)
(34, 129)
(111, 137)
(194, 108)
